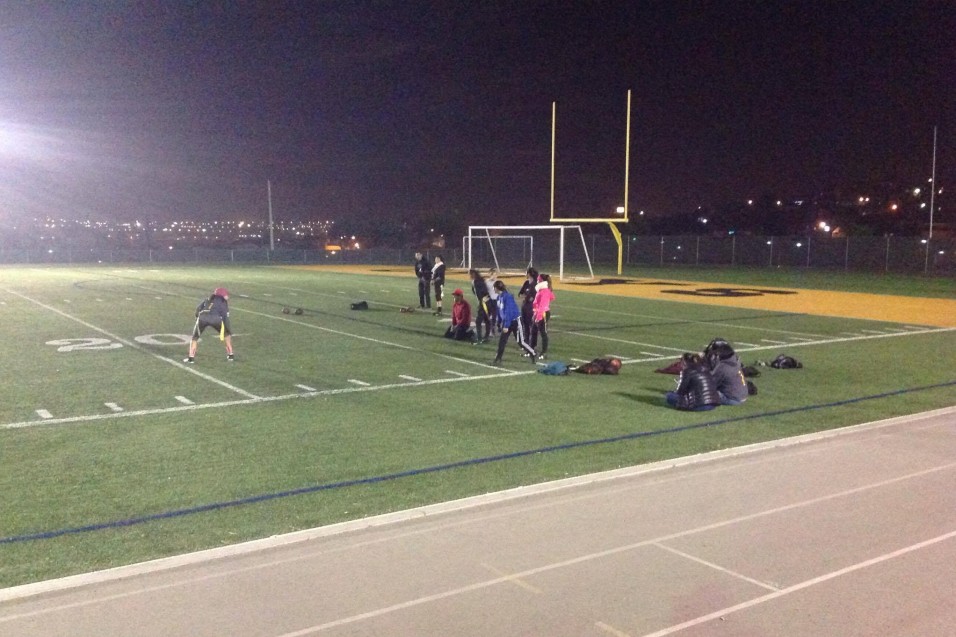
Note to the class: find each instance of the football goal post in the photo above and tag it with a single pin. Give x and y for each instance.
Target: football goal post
(556, 249)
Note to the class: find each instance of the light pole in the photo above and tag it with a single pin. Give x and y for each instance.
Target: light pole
(932, 191)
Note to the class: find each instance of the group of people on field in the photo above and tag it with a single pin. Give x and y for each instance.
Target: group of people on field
(706, 379)
(497, 312)
(709, 379)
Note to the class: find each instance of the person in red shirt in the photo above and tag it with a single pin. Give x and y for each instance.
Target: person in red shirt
(460, 328)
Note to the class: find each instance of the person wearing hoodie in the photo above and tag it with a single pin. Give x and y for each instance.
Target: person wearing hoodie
(460, 328)
(212, 312)
(541, 312)
(510, 316)
(728, 372)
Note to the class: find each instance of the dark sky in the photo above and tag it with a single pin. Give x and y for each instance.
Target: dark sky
(176, 109)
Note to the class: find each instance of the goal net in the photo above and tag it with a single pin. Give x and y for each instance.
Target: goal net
(559, 250)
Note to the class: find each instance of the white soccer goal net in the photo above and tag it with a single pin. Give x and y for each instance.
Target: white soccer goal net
(559, 250)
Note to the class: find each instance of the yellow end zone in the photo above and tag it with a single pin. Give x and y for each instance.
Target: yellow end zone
(877, 307)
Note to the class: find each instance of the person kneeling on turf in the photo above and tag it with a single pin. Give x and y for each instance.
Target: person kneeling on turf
(696, 389)
(460, 328)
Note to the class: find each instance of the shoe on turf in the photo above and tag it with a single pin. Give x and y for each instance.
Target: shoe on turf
(189, 360)
(230, 357)
(496, 362)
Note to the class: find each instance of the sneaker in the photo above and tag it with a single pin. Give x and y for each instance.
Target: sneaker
(438, 313)
(541, 356)
(189, 360)
(230, 357)
(496, 362)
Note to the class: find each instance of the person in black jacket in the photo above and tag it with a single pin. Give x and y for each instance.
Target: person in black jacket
(212, 312)
(423, 270)
(486, 311)
(526, 295)
(696, 388)
(438, 280)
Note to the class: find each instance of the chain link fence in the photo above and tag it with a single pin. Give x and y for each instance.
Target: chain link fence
(904, 255)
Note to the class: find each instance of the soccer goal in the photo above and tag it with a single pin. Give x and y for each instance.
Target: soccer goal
(556, 249)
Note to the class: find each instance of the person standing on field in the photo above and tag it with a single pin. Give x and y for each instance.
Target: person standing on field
(438, 279)
(510, 316)
(212, 312)
(486, 312)
(423, 270)
(544, 294)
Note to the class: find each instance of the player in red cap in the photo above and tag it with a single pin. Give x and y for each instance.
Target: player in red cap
(460, 328)
(212, 312)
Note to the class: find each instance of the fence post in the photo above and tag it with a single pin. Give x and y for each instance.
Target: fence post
(770, 243)
(846, 254)
(808, 252)
(697, 256)
(662, 251)
(886, 256)
(733, 249)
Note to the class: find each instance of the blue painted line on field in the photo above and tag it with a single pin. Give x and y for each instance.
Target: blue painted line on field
(215, 506)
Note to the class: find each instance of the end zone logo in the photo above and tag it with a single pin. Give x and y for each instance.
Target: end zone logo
(727, 292)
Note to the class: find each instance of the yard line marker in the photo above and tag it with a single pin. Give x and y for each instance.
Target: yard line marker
(873, 331)
(498, 374)
(857, 334)
(43, 413)
(453, 373)
(184, 400)
(306, 388)
(359, 382)
(99, 300)
(114, 407)
(808, 340)
(913, 327)
(767, 340)
(580, 360)
(129, 298)
(134, 345)
(67, 301)
(623, 358)
(363, 291)
(652, 354)
(417, 380)
(739, 343)
(158, 298)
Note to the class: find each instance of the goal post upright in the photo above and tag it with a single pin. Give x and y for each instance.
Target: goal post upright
(627, 169)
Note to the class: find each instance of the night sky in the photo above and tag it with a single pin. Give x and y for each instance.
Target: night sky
(182, 110)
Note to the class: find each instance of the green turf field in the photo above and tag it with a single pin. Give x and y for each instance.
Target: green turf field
(112, 451)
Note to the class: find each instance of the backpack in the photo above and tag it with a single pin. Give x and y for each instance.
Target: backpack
(785, 362)
(554, 368)
(601, 366)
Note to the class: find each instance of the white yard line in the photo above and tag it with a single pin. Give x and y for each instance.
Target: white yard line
(134, 345)
(188, 405)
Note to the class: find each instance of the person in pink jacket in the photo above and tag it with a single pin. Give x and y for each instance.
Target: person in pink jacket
(544, 294)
